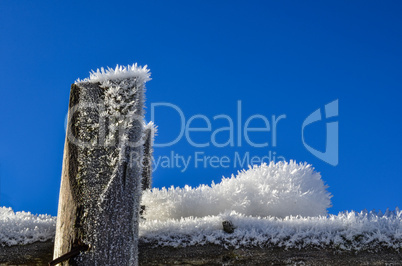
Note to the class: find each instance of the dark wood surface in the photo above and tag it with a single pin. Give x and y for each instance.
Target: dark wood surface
(40, 253)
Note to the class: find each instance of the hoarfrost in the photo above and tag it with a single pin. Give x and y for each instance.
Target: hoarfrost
(142, 74)
(345, 231)
(280, 190)
(21, 228)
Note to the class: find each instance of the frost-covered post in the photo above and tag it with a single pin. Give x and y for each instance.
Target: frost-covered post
(100, 189)
(149, 132)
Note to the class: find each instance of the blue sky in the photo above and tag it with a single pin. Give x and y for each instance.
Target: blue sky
(277, 58)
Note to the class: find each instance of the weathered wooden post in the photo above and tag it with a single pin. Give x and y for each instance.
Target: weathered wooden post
(100, 188)
(149, 132)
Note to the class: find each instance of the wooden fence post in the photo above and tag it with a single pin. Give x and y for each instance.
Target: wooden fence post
(100, 187)
(149, 132)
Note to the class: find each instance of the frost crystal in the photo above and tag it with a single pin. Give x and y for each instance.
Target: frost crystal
(101, 75)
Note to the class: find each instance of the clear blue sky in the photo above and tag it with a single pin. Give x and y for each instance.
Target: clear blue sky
(276, 57)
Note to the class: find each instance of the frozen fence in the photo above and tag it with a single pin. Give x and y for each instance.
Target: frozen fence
(345, 231)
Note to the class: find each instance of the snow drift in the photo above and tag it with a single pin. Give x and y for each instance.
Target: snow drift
(280, 190)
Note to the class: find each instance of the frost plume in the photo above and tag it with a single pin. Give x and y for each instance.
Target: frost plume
(280, 190)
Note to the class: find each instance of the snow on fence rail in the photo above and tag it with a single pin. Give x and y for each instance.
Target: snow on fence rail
(258, 202)
(346, 231)
(21, 228)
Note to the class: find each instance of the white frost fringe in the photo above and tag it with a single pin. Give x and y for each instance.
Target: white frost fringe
(345, 231)
(24, 228)
(118, 73)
